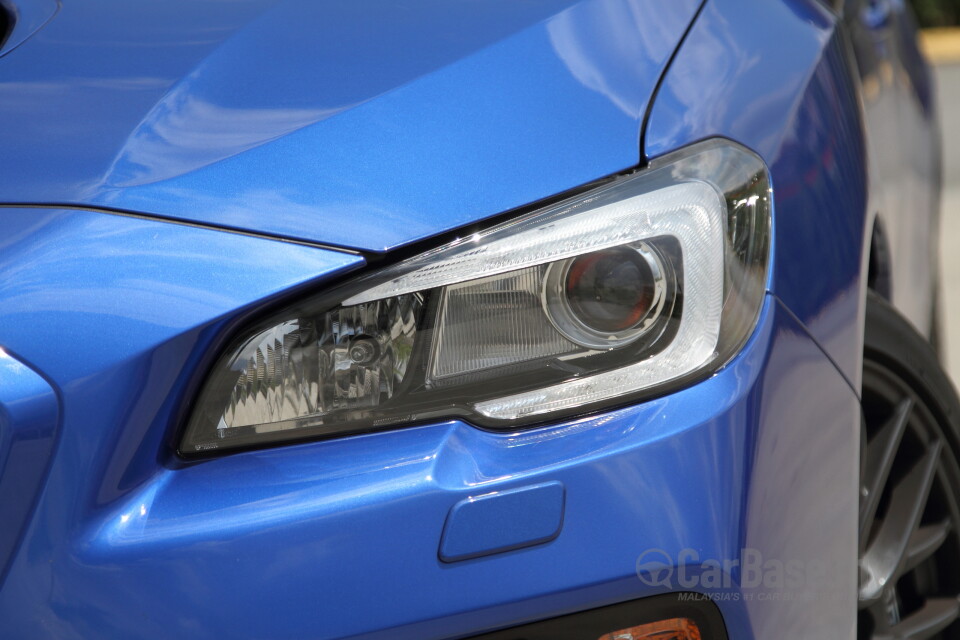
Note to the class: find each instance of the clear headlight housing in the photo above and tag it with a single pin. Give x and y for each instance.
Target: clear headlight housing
(631, 289)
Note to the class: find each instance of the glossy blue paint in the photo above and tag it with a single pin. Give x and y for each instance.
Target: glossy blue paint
(827, 146)
(28, 16)
(501, 521)
(339, 538)
(801, 114)
(29, 416)
(291, 117)
(100, 304)
(344, 131)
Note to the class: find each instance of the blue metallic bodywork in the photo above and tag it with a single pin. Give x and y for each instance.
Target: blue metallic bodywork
(27, 18)
(500, 521)
(338, 538)
(29, 417)
(803, 114)
(218, 112)
(314, 121)
(800, 113)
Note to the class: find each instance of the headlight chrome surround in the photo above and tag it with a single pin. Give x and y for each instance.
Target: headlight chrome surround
(479, 329)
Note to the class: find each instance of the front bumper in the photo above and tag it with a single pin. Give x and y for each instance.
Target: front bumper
(756, 465)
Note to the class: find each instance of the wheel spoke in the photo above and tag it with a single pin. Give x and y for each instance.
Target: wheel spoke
(909, 516)
(877, 462)
(887, 552)
(923, 543)
(935, 615)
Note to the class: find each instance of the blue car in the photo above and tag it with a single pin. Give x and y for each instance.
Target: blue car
(577, 319)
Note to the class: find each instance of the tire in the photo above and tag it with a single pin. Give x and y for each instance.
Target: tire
(909, 545)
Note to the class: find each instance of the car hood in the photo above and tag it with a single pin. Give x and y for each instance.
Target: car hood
(365, 124)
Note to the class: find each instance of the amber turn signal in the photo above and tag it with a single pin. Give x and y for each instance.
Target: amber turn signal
(671, 629)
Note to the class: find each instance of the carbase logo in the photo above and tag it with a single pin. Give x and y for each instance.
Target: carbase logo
(657, 568)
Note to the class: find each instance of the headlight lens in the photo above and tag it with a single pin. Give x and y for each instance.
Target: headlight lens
(625, 291)
(607, 298)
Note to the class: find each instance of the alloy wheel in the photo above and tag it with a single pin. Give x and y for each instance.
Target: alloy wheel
(909, 512)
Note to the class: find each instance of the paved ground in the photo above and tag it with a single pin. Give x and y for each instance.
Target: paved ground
(948, 81)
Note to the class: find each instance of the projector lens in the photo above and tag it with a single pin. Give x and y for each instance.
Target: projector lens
(607, 298)
(610, 290)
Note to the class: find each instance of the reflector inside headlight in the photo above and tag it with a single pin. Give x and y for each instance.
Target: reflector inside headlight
(619, 293)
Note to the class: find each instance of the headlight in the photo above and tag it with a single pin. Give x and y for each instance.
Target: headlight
(632, 289)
